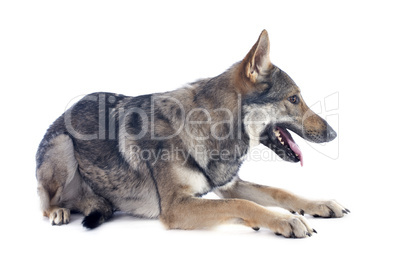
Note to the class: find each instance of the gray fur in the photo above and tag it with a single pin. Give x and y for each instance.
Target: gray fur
(110, 152)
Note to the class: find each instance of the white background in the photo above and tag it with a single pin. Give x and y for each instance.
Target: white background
(54, 51)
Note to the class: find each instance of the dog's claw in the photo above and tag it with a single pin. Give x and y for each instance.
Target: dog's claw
(331, 213)
(301, 212)
(256, 228)
(315, 231)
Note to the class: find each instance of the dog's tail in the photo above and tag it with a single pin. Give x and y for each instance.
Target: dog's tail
(94, 219)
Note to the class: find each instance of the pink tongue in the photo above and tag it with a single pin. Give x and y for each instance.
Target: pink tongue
(292, 144)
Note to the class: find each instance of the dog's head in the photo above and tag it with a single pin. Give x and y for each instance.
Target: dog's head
(272, 105)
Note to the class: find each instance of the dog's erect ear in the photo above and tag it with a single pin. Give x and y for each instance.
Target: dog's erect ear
(257, 61)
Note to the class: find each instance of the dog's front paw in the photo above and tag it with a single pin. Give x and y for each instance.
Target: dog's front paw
(292, 226)
(326, 209)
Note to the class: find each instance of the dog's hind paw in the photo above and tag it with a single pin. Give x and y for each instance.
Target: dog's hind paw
(59, 216)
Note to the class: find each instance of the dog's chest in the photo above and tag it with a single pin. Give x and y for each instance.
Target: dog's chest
(193, 180)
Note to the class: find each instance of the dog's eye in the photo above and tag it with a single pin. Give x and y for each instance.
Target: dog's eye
(293, 99)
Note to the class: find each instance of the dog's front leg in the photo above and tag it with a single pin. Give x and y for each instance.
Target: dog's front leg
(197, 213)
(271, 196)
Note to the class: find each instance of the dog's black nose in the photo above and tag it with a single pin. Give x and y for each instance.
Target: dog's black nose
(331, 134)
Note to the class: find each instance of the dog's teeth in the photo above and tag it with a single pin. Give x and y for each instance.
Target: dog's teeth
(297, 155)
(280, 138)
(277, 133)
(283, 143)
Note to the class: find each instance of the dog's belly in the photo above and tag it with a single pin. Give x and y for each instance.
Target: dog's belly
(138, 196)
(147, 206)
(129, 190)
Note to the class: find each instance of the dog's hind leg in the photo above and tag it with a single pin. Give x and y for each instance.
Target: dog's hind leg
(61, 187)
(56, 170)
(57, 215)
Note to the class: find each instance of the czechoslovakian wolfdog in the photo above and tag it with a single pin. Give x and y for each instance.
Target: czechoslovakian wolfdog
(156, 155)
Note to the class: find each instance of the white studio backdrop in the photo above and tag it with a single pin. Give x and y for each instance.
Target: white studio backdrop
(344, 55)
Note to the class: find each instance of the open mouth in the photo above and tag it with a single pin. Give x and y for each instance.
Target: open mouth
(281, 142)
